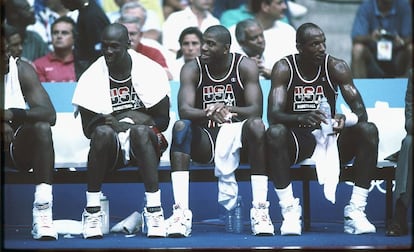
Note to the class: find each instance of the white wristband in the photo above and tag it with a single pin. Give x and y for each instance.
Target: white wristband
(351, 119)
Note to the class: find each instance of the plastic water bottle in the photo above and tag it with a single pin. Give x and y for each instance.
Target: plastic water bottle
(326, 109)
(229, 219)
(105, 210)
(238, 216)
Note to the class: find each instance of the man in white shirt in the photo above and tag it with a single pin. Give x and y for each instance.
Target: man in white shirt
(280, 37)
(196, 14)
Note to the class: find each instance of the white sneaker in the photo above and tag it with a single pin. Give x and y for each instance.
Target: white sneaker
(260, 220)
(154, 223)
(355, 221)
(92, 225)
(180, 222)
(43, 228)
(292, 218)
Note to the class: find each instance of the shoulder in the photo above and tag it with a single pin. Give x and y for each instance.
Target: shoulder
(337, 65)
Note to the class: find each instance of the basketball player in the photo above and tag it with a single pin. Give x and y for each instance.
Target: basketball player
(219, 90)
(124, 105)
(297, 83)
(26, 134)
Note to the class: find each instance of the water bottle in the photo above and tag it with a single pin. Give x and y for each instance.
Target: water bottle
(229, 217)
(238, 216)
(326, 109)
(105, 210)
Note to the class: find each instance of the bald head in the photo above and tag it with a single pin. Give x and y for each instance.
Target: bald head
(220, 33)
(117, 32)
(303, 31)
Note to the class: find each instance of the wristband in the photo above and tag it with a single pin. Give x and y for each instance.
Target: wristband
(19, 115)
(350, 119)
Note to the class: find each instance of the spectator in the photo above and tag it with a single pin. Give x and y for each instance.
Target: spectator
(279, 36)
(197, 14)
(299, 82)
(47, 12)
(170, 6)
(232, 16)
(89, 26)
(14, 41)
(403, 192)
(151, 26)
(223, 5)
(20, 15)
(190, 47)
(26, 136)
(129, 109)
(133, 25)
(220, 106)
(382, 39)
(58, 66)
(249, 35)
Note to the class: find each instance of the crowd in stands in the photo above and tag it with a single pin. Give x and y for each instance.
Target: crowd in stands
(155, 29)
(158, 34)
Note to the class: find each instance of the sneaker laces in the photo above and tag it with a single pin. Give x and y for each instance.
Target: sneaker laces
(154, 219)
(93, 220)
(43, 216)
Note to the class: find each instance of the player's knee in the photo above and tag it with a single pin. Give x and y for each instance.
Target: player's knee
(139, 132)
(276, 132)
(103, 134)
(370, 132)
(181, 137)
(255, 127)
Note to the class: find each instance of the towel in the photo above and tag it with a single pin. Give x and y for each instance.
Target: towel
(124, 139)
(13, 96)
(326, 159)
(148, 78)
(226, 160)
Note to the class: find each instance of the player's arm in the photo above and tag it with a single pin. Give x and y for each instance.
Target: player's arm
(40, 105)
(249, 75)
(343, 77)
(189, 77)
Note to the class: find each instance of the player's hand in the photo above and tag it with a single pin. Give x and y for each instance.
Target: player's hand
(339, 122)
(313, 118)
(219, 113)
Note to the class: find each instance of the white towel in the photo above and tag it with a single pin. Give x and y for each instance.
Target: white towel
(148, 78)
(326, 159)
(226, 160)
(13, 96)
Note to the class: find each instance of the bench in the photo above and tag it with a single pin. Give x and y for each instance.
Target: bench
(71, 153)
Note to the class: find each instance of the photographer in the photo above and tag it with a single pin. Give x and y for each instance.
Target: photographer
(382, 39)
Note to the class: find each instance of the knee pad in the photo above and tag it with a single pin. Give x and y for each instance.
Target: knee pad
(181, 139)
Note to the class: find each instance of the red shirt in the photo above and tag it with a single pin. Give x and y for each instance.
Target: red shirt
(51, 69)
(152, 53)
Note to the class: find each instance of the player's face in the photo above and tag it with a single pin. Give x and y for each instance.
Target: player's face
(212, 50)
(254, 44)
(113, 51)
(5, 55)
(314, 49)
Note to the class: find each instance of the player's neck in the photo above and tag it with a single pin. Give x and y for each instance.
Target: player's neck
(219, 69)
(307, 69)
(121, 70)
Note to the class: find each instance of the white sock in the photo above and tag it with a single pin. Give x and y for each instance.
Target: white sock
(153, 198)
(43, 193)
(285, 195)
(259, 188)
(180, 185)
(93, 199)
(359, 196)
